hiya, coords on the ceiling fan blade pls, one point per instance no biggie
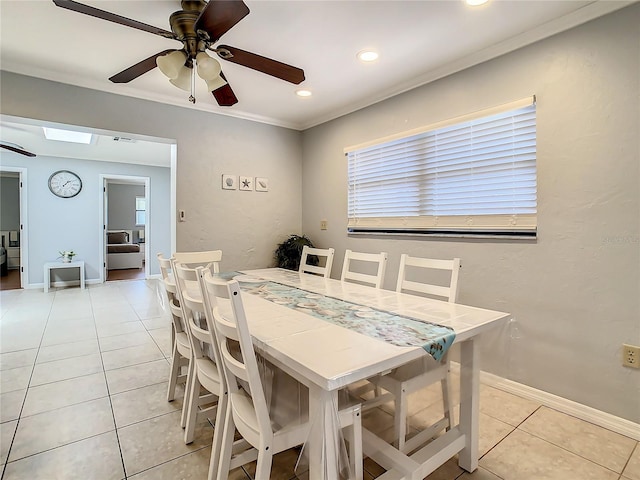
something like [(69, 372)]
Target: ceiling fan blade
[(17, 150), (260, 63), (224, 95), (218, 16), (139, 68), (112, 17)]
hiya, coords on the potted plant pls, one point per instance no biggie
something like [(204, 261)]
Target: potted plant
[(288, 253), (67, 255)]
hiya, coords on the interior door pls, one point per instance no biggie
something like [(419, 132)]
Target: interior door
[(105, 216)]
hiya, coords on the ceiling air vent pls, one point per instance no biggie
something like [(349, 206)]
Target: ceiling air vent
[(124, 140)]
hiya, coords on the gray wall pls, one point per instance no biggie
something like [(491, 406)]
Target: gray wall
[(56, 224), (247, 226), (9, 204), (122, 207), (575, 291)]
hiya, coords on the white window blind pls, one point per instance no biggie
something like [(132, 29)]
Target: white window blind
[(462, 175)]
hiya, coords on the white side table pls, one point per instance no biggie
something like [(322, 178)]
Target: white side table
[(56, 265)]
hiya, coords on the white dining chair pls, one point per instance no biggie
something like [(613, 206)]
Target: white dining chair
[(375, 260), (326, 253), (414, 376), (180, 344), (206, 371), (248, 411), (207, 258), (182, 354)]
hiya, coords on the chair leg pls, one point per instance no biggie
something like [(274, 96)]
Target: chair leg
[(355, 445), (400, 420), (187, 390), (446, 401), (218, 435), (263, 466), (173, 374), (192, 408), (228, 433)]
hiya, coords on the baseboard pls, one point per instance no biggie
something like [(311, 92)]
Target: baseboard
[(60, 283), (589, 414)]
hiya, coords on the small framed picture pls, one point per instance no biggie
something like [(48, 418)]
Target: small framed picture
[(246, 183), (229, 182), (262, 184)]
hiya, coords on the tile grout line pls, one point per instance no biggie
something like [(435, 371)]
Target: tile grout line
[(113, 416), (26, 392), (564, 448)]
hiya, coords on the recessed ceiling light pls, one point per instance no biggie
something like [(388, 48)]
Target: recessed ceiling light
[(303, 93), (67, 135), (367, 56), (475, 3)]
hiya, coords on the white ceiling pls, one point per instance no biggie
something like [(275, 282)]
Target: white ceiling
[(134, 149), (418, 42)]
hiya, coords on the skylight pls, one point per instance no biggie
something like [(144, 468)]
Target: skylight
[(66, 135)]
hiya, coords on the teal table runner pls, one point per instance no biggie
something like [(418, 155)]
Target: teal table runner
[(394, 329)]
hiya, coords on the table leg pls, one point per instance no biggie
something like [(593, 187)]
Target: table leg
[(323, 456), (469, 404), (47, 279), (82, 276)]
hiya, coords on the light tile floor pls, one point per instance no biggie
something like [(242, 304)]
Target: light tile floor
[(82, 396)]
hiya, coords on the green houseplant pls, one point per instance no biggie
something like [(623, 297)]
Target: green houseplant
[(67, 255), (288, 253)]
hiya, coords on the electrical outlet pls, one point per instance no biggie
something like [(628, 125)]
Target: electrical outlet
[(323, 224), (630, 356)]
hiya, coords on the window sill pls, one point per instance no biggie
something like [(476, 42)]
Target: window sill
[(527, 236)]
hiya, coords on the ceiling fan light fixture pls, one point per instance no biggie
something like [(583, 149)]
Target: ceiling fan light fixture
[(208, 68), (183, 80), (172, 63), (215, 83)]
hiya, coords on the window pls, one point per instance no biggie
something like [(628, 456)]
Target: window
[(141, 207), (473, 174)]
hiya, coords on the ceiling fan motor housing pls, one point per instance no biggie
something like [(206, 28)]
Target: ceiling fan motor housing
[(182, 24)]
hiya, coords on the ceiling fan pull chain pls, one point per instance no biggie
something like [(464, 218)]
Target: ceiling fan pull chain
[(192, 97)]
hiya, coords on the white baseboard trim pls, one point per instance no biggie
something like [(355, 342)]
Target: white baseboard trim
[(60, 283), (589, 414)]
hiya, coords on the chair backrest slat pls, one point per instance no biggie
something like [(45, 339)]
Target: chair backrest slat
[(327, 253), (166, 271), (377, 259), (449, 292), (209, 258), (193, 311)]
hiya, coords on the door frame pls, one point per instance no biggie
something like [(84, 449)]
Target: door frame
[(24, 224), (104, 179)]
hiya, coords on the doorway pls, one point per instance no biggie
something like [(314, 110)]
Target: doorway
[(125, 207), (12, 234)]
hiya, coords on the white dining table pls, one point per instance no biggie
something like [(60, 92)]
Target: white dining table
[(327, 357)]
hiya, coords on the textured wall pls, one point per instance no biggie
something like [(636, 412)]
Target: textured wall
[(574, 291), (247, 226)]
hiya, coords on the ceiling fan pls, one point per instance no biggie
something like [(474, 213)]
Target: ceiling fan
[(199, 26), (14, 147)]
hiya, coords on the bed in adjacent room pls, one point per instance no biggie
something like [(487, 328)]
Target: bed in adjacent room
[(121, 253)]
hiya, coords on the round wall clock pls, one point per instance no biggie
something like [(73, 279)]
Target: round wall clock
[(65, 184)]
